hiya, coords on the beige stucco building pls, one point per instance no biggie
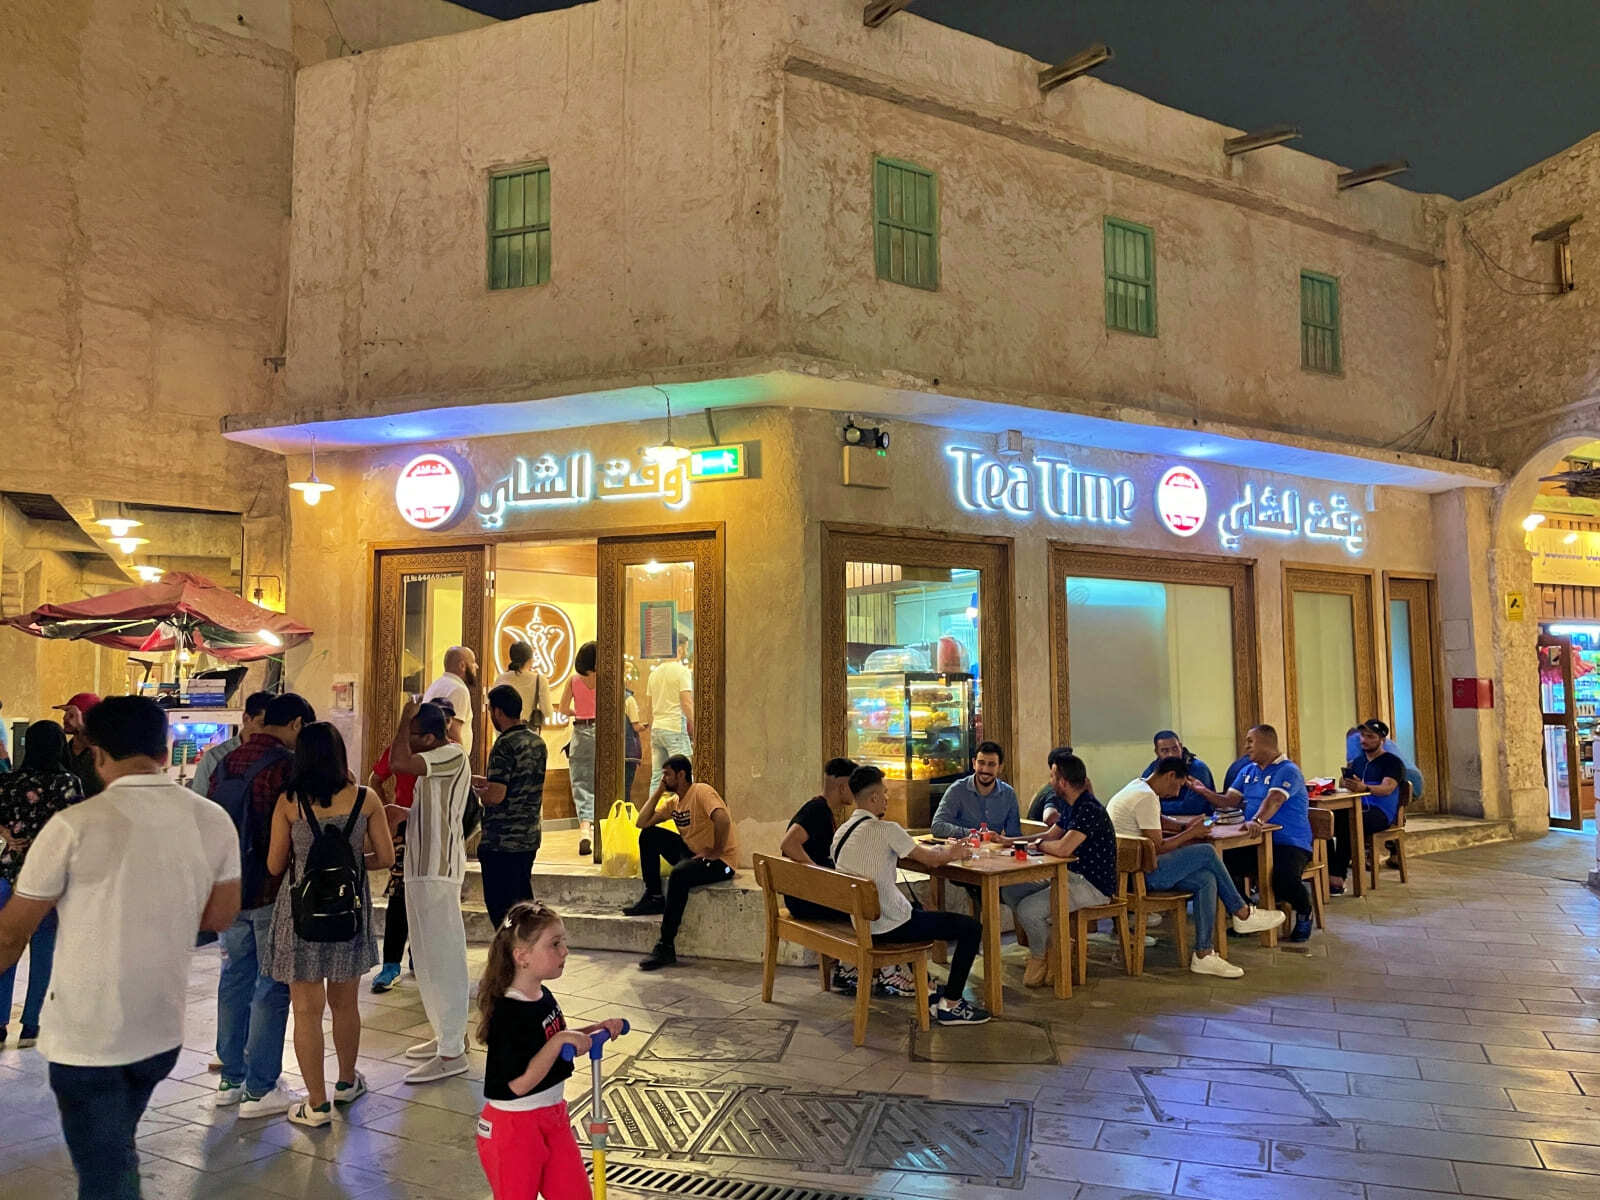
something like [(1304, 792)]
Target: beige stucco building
[(717, 183)]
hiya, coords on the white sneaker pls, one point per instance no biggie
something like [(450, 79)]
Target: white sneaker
[(438, 1068), (424, 1050), (312, 1118), (274, 1104), (1215, 964), (1259, 921), (228, 1094)]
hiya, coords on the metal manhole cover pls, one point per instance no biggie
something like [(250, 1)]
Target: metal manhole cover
[(986, 1143), (785, 1126), (996, 1042), (653, 1117), (1220, 1096), (697, 1039)]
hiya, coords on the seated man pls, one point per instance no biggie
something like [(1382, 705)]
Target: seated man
[(1232, 772), (1186, 861), (1380, 772), (871, 847), (1188, 802), (1272, 791), (704, 850), (981, 798), (809, 839), (1082, 829)]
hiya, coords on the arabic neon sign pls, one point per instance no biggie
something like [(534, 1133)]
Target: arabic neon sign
[(1063, 492), (546, 481), (1271, 512)]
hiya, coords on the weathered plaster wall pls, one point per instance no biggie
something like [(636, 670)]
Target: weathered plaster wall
[(1531, 359), (773, 588)]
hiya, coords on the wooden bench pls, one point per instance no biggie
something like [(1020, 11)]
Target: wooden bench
[(849, 939)]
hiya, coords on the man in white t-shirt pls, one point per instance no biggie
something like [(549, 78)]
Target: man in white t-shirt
[(435, 865), (134, 873), (455, 685), (1186, 862), (669, 698), (871, 847)]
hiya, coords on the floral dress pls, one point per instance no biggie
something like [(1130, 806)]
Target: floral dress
[(27, 800)]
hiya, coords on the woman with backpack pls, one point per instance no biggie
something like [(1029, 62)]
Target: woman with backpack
[(327, 832)]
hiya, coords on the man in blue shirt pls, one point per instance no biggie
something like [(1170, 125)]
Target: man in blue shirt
[(1380, 772), (1273, 792), (1188, 802), (981, 798)]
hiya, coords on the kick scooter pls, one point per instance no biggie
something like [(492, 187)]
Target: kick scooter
[(599, 1125)]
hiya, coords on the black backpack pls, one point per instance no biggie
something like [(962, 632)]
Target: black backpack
[(233, 793), (326, 901)]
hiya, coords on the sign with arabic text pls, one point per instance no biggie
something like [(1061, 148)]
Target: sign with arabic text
[(1281, 513), (717, 462), (548, 481), (1573, 563)]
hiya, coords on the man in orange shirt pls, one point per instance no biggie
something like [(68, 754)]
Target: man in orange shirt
[(704, 850)]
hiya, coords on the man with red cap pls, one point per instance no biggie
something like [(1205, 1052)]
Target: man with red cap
[(80, 755)]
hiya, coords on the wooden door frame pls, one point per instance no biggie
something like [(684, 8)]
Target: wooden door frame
[(994, 557), (1568, 720), (1365, 640), (1441, 789), (705, 547), (471, 560), (1067, 559)]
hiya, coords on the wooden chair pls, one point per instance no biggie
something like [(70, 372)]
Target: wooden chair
[(1142, 902), (849, 939), (1316, 872), (1127, 862), (1396, 833)]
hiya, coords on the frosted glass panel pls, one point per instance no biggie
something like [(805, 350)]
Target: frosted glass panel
[(1325, 674), (1145, 656), (1401, 680)]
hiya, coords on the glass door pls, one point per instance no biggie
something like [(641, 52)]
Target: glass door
[(1413, 687), (1328, 663), (426, 601), (1558, 709), (659, 613)]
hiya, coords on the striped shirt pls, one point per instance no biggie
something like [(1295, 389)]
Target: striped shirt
[(435, 847)]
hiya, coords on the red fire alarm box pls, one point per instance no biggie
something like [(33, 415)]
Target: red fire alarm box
[(1472, 693)]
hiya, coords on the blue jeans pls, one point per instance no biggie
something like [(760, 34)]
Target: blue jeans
[(252, 1009), (580, 769), (100, 1108), (1196, 868), (664, 743), (41, 955)]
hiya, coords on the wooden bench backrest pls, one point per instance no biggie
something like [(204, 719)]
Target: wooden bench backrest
[(1321, 823), (1405, 799), (850, 895)]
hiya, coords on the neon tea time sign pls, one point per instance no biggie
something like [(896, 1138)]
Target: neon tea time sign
[(985, 483)]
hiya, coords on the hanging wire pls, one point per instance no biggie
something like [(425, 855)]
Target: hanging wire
[(343, 41), (1545, 288)]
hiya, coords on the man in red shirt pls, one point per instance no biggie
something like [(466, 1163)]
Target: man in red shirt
[(397, 804)]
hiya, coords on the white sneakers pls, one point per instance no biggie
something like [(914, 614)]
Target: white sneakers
[(437, 1068), (1259, 921), (424, 1050), (275, 1103), (312, 1118), (1215, 964), (228, 1093)]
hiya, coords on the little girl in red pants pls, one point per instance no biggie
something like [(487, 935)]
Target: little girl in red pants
[(525, 1140)]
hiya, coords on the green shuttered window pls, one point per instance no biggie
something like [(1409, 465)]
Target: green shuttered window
[(519, 228), (1319, 323), (1130, 277), (905, 205)]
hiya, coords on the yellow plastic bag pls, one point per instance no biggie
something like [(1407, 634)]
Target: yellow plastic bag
[(619, 841)]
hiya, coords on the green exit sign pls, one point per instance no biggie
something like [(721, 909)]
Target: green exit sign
[(717, 462)]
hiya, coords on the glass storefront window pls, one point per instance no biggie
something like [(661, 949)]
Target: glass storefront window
[(1325, 678), (1144, 656), (912, 660), (1402, 680), (431, 619), (658, 666)]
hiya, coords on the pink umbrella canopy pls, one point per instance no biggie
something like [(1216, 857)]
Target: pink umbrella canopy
[(179, 611)]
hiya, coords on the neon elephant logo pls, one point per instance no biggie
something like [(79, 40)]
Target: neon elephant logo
[(543, 628)]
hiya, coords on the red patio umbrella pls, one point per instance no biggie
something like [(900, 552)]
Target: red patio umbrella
[(178, 612)]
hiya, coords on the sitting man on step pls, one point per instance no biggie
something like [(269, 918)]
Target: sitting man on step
[(704, 850)]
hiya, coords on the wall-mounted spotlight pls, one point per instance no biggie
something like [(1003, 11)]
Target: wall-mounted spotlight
[(858, 435)]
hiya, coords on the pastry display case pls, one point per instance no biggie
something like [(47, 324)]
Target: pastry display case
[(917, 727)]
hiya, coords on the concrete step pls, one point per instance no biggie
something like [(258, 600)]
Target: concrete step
[(1440, 834)]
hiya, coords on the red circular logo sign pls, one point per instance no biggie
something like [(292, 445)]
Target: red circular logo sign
[(428, 492), (1181, 501)]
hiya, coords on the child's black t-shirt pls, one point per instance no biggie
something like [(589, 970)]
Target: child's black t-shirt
[(519, 1029)]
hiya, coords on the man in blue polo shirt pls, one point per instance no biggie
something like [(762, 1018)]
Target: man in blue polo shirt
[(1188, 802), (1273, 792), (1378, 770)]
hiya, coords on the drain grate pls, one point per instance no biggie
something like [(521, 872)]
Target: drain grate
[(776, 1124), (667, 1182), (656, 1118)]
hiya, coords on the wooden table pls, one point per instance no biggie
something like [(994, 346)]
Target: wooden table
[(1353, 803), (989, 873), (1233, 837)]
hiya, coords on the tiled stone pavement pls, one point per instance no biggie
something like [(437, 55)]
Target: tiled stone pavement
[(1441, 1037)]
